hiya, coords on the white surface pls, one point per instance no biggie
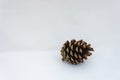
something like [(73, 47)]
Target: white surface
[(33, 31)]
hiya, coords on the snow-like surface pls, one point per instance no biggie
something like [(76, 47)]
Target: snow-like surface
[(47, 65)]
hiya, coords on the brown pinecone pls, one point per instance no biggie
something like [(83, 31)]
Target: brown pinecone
[(75, 51)]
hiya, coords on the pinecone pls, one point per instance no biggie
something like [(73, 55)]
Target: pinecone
[(75, 51)]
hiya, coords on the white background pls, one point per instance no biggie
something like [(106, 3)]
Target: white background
[(33, 31)]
